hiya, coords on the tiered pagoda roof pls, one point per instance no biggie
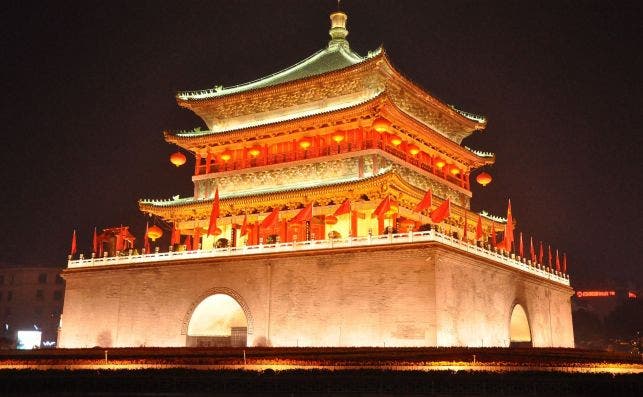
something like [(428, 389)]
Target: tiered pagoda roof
[(333, 90)]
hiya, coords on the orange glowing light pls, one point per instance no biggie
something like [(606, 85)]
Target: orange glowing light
[(454, 170), (484, 179), (178, 159), (338, 137), (154, 232), (393, 210), (305, 143), (227, 155), (395, 140), (381, 125), (254, 151), (331, 220), (595, 294), (414, 150), (440, 163)]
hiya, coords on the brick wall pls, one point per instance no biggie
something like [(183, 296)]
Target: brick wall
[(421, 294)]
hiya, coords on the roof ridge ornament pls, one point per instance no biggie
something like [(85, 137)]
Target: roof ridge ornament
[(338, 31)]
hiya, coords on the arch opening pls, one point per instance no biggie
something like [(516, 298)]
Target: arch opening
[(218, 320), (519, 332)]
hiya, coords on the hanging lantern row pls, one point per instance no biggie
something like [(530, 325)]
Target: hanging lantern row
[(381, 125)]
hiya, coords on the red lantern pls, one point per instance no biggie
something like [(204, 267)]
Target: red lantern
[(454, 170), (484, 179), (440, 163), (305, 143), (381, 125), (178, 159), (226, 155), (396, 140), (331, 220), (338, 137), (254, 151), (154, 232), (414, 150)]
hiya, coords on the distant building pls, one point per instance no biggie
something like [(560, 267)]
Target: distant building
[(31, 301), (601, 301)]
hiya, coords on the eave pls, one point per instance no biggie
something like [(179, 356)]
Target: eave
[(361, 115)]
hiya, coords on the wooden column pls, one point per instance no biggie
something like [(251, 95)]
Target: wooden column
[(354, 217), (208, 162), (197, 163)]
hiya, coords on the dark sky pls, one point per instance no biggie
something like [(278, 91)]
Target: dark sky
[(89, 87)]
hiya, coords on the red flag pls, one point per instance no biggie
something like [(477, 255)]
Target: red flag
[(345, 208), (532, 251), (271, 219), (120, 239), (509, 229), (479, 231), (549, 256), (214, 214), (442, 212), (244, 227), (95, 242), (382, 208), (176, 235), (521, 249), (188, 243), (565, 263), (541, 255), (425, 203), (464, 227), (557, 262), (146, 244), (306, 214), (494, 242), (197, 237), (73, 243)]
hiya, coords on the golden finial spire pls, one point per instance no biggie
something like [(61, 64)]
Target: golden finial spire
[(338, 31)]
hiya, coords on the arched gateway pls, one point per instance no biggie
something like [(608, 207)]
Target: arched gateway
[(218, 318), (519, 331)]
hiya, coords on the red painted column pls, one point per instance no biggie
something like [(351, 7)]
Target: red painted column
[(197, 163), (208, 162), (354, 216)]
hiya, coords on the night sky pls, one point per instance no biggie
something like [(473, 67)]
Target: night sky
[(89, 88)]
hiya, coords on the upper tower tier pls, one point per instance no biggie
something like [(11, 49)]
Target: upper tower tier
[(332, 79)]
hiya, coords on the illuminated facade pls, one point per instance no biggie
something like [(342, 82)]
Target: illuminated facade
[(337, 130)]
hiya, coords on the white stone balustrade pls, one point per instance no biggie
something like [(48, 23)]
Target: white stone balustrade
[(329, 244)]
